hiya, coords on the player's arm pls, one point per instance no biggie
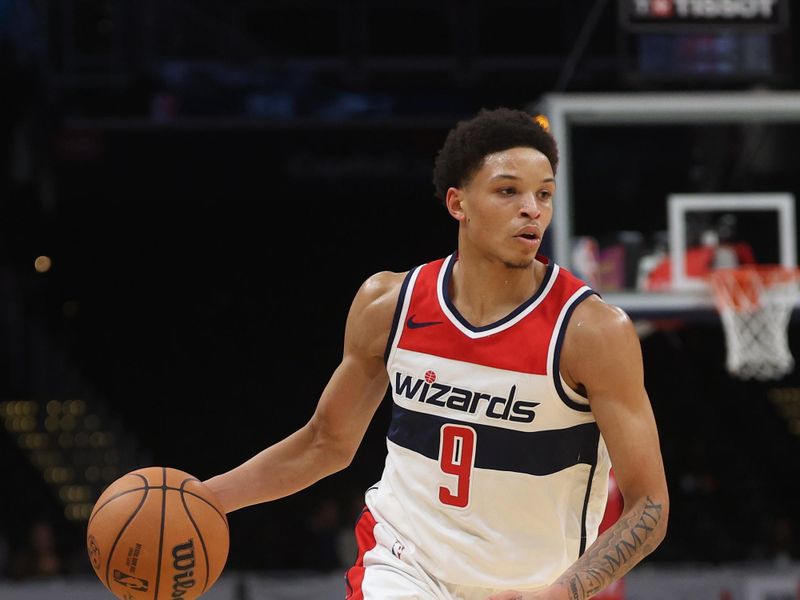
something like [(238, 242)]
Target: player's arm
[(328, 442), (602, 354)]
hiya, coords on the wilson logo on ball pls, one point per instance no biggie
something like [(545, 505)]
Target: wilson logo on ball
[(183, 563)]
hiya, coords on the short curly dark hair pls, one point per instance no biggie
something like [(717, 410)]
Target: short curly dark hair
[(470, 141)]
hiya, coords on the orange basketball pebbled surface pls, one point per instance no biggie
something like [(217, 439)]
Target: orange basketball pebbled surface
[(157, 533)]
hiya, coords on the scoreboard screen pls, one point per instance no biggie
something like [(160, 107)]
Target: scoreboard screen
[(706, 41), (650, 15)]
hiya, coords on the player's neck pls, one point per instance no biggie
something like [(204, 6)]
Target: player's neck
[(485, 291)]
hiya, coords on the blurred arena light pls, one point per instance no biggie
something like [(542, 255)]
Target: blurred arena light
[(42, 264), (71, 445)]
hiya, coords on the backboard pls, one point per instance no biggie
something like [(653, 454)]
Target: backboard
[(574, 118)]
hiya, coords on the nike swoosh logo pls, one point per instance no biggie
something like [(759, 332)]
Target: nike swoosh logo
[(412, 324)]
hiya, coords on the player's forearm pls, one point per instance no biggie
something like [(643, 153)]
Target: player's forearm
[(635, 535), (278, 471)]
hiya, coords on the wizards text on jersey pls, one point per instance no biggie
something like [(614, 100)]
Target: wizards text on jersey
[(427, 390)]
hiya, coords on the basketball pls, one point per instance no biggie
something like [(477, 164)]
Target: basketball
[(157, 533)]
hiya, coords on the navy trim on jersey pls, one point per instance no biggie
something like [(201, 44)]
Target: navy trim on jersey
[(446, 295), (557, 356), (397, 311), (498, 448), (586, 507)]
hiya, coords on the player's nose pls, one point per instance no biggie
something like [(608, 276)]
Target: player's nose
[(530, 206)]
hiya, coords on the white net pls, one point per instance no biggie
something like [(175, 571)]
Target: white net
[(755, 305)]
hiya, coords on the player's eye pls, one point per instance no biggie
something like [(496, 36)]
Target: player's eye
[(545, 194), (508, 191)]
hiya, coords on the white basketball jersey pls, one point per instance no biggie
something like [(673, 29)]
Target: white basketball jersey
[(496, 474)]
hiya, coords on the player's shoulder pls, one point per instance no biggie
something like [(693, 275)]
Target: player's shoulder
[(376, 299), (600, 337), (597, 322), (372, 312), (382, 288)]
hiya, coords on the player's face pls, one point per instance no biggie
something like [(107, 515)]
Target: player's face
[(507, 206)]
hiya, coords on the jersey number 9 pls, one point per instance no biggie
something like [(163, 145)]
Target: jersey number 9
[(456, 458)]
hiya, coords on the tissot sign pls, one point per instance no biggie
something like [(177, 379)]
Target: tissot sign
[(678, 14)]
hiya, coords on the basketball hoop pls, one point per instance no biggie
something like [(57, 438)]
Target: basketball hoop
[(755, 303)]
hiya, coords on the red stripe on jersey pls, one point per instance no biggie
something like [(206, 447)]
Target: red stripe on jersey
[(522, 347), (365, 537)]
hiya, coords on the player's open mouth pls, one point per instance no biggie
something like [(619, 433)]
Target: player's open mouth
[(530, 240)]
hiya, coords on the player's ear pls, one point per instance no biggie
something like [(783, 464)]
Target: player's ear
[(454, 201)]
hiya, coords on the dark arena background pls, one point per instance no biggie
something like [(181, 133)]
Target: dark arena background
[(192, 192)]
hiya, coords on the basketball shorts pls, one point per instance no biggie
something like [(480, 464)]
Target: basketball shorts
[(383, 572)]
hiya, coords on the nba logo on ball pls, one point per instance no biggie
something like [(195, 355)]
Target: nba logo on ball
[(157, 534)]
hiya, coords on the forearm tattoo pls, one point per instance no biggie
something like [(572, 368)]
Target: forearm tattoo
[(615, 553)]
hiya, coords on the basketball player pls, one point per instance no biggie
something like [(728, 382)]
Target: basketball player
[(514, 386)]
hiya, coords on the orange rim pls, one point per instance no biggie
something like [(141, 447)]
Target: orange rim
[(740, 288)]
